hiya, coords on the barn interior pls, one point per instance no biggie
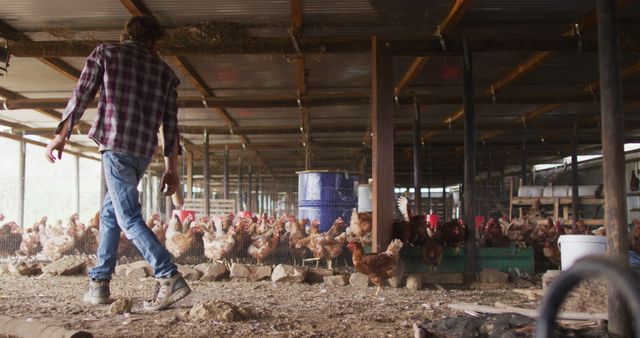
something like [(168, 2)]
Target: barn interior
[(516, 121)]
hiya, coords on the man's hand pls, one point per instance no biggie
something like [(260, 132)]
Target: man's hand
[(170, 181), (57, 143)]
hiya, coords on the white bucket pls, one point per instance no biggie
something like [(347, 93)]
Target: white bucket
[(574, 247)]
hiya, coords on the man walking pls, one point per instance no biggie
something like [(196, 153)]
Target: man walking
[(138, 93)]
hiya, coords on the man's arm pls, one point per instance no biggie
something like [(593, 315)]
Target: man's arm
[(170, 182), (83, 93)]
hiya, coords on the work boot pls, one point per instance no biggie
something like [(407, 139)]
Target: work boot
[(98, 292), (169, 290)]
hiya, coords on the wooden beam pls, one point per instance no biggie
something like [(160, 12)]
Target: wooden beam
[(62, 67), (613, 158), (469, 196), (382, 142), (457, 10), (533, 61), (135, 7)]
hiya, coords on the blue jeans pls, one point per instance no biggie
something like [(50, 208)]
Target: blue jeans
[(121, 211)]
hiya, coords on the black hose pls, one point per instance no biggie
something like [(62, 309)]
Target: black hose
[(621, 276)]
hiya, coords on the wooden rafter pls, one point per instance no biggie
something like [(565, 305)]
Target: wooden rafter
[(457, 10), (541, 110), (531, 63)]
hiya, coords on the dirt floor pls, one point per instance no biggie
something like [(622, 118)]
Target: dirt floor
[(283, 310)]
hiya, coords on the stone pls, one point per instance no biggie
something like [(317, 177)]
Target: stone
[(443, 278), (414, 282), (338, 280), (219, 311), (211, 271), (189, 273), (139, 269), (4, 269), (67, 265), (288, 273), (25, 268), (260, 272), (121, 270), (397, 280), (359, 280), (317, 275), (493, 277), (250, 272), (239, 271), (120, 306)]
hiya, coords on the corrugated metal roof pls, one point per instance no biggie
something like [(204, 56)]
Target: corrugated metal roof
[(539, 11), (245, 71), (347, 71), (60, 14), (31, 77), (190, 11)]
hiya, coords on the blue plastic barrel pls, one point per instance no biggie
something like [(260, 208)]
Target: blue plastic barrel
[(326, 195)]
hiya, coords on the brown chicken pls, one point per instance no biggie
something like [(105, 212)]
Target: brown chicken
[(518, 231), (360, 226), (10, 238), (181, 244), (379, 267), (295, 234), (328, 245), (55, 245), (581, 228), (30, 244), (263, 246), (87, 239), (433, 251), (549, 239)]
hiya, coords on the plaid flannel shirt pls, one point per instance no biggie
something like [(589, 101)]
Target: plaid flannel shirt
[(138, 92)]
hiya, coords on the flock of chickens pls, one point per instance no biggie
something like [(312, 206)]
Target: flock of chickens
[(286, 239)]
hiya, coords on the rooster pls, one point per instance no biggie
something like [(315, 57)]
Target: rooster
[(453, 233), (493, 235), (379, 267), (181, 244), (412, 229), (360, 225)]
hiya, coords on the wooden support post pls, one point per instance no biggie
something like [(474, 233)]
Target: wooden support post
[(206, 192), (469, 162), (239, 198), (444, 197), (510, 199), (613, 162), (417, 168), (22, 170), (76, 184), (225, 173), (250, 189), (575, 200), (189, 158), (523, 163), (382, 142)]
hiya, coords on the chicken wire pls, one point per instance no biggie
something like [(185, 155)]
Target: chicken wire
[(262, 229)]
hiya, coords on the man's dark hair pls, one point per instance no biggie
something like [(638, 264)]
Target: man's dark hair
[(143, 28)]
